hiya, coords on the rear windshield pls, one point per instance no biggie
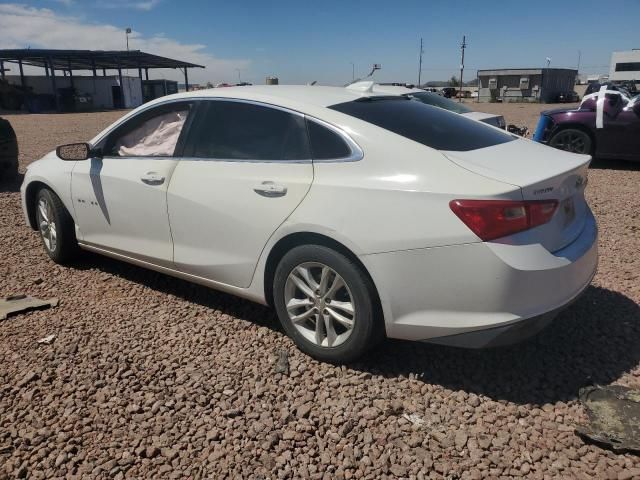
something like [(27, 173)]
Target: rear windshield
[(430, 126)]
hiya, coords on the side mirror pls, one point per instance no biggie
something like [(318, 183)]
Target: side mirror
[(74, 151)]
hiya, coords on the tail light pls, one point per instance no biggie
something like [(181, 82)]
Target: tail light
[(491, 219)]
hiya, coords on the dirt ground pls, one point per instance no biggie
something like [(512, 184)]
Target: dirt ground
[(152, 377)]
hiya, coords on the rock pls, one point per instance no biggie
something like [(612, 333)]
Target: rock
[(461, 439), (304, 410), (29, 377), (151, 452), (370, 413)]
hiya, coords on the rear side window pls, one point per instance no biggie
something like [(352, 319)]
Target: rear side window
[(229, 130), (326, 144), (430, 126)]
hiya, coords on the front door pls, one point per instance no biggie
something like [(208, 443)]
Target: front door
[(245, 168), (120, 199)]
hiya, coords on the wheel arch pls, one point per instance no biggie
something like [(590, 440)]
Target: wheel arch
[(29, 197), (292, 240)]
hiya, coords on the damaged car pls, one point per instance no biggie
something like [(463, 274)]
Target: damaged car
[(356, 215), (605, 125)]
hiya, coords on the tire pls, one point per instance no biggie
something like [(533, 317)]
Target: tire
[(572, 140), (333, 340), (60, 241)]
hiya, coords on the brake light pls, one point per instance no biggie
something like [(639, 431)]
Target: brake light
[(491, 219)]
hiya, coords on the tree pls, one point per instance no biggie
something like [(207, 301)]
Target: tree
[(453, 82)]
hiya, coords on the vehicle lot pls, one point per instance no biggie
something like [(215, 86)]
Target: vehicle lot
[(152, 376)]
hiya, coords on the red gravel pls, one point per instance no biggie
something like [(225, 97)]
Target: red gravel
[(150, 376)]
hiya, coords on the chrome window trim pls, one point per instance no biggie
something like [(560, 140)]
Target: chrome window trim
[(356, 152)]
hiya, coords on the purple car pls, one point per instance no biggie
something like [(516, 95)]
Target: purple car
[(612, 133)]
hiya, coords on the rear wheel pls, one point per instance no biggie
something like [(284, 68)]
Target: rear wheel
[(572, 140), (56, 227), (326, 304)]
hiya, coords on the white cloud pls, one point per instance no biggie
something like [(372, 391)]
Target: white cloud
[(22, 26), (144, 5)]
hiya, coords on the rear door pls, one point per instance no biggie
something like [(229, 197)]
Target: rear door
[(620, 137), (245, 168), (120, 200)]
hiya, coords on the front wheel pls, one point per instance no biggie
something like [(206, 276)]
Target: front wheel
[(326, 304), (572, 140), (56, 227)]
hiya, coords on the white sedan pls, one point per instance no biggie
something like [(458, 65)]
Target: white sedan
[(355, 215)]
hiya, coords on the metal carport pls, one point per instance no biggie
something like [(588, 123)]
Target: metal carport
[(89, 60)]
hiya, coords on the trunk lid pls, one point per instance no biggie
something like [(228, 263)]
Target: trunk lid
[(542, 173)]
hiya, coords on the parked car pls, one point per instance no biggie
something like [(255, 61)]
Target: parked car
[(436, 100), (568, 97), (8, 150), (576, 130), (449, 92), (356, 215), (595, 87)]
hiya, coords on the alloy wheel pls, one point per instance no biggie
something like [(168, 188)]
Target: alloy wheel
[(319, 304), (570, 141), (47, 224)]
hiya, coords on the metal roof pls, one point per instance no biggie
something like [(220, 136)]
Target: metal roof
[(90, 59)]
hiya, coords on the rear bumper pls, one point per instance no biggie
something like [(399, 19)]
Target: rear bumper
[(492, 293), (499, 336)]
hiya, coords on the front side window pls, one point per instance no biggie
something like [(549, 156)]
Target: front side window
[(430, 126), (232, 130), (153, 133)]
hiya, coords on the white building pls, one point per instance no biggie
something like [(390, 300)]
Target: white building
[(106, 92), (625, 65)]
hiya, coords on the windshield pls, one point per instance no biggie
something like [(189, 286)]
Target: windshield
[(425, 124), (439, 101)]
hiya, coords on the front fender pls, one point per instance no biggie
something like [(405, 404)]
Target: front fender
[(50, 172)]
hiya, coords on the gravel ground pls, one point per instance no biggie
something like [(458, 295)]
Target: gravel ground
[(150, 376)]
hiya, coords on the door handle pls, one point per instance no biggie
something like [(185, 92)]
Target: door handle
[(270, 189), (152, 178)]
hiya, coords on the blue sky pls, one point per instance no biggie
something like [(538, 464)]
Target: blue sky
[(300, 41)]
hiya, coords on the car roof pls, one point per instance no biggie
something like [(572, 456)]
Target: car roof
[(292, 96)]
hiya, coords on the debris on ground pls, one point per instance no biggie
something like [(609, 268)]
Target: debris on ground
[(614, 417), (521, 131), (414, 419), (23, 303), (282, 364), (48, 340)]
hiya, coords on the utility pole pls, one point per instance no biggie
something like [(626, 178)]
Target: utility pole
[(462, 47), (353, 71), (579, 58), (420, 64)]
